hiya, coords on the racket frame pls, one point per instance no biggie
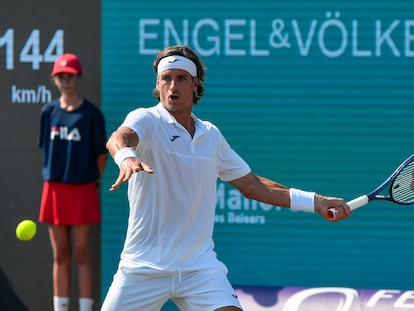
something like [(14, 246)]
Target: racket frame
[(375, 194)]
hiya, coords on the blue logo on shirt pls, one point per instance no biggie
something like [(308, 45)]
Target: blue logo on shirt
[(174, 137)]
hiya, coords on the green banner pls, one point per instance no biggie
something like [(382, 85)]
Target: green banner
[(316, 95)]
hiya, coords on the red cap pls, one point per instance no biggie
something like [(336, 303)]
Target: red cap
[(67, 63)]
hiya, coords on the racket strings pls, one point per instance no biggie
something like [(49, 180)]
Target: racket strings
[(402, 188)]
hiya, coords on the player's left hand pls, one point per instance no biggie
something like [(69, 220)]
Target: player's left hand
[(129, 167)]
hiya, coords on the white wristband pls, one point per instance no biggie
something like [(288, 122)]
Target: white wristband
[(123, 154), (302, 200)]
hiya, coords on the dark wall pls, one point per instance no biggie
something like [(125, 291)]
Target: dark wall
[(31, 34)]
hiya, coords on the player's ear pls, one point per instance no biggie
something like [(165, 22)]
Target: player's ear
[(195, 84)]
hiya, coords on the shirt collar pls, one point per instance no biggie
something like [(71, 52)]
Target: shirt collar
[(168, 118)]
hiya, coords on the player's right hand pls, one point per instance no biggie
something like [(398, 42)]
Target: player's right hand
[(323, 204)]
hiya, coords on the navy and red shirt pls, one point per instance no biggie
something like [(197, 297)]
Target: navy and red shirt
[(71, 142)]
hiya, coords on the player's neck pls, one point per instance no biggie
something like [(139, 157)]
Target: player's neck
[(189, 125), (185, 118)]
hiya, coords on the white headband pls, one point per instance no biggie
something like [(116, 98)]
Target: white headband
[(177, 62)]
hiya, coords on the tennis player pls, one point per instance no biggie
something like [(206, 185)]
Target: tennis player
[(171, 160)]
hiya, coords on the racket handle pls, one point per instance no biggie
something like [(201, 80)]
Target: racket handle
[(358, 202), (353, 204)]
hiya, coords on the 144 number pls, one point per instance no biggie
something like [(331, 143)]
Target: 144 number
[(30, 52)]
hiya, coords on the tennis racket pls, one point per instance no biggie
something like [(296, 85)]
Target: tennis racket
[(397, 188)]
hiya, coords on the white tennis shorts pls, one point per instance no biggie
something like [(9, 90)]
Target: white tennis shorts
[(203, 290)]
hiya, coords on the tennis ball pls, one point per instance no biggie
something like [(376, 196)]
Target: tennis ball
[(26, 230)]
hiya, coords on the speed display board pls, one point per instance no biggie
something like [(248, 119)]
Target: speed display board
[(32, 35), (316, 95)]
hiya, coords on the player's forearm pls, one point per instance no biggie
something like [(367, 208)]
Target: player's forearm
[(116, 142), (270, 192), (263, 190), (121, 138)]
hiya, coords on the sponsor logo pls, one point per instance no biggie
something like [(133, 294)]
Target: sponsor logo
[(324, 299), (63, 133), (173, 60), (174, 137)]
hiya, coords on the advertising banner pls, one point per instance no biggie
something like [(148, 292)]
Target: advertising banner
[(316, 95), (324, 299)]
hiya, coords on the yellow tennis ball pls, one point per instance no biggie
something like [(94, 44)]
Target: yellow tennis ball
[(26, 230)]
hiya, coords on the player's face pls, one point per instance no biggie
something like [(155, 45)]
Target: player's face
[(67, 83), (176, 89)]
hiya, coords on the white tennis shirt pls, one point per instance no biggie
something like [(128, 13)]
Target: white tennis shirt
[(171, 218)]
